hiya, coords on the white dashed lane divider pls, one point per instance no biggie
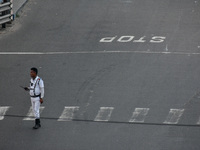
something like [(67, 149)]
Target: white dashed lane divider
[(104, 114), (198, 121), (68, 113), (30, 115), (3, 111), (139, 115), (174, 116)]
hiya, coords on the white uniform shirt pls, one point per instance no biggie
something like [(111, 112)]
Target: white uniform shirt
[(36, 87)]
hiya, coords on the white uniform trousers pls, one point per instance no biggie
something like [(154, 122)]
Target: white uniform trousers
[(35, 101)]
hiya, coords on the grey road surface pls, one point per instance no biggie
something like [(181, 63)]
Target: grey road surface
[(119, 74)]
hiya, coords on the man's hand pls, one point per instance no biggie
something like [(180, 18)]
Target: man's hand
[(26, 88), (41, 100)]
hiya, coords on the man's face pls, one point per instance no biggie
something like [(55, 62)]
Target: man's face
[(33, 74)]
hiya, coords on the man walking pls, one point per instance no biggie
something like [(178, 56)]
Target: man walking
[(36, 90)]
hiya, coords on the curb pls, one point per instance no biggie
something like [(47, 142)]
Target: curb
[(19, 9)]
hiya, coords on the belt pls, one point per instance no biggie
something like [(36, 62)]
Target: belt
[(36, 96)]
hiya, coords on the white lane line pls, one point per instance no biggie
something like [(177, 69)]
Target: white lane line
[(128, 1), (30, 115), (174, 116), (96, 52), (139, 115), (68, 113), (3, 111), (104, 114)]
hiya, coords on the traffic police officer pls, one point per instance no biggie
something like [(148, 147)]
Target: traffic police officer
[(36, 90)]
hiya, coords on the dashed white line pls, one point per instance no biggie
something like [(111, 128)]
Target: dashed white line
[(198, 121), (174, 116), (3, 111), (139, 115), (166, 48), (68, 113), (104, 114), (30, 115)]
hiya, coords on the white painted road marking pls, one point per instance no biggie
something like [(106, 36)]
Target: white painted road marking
[(131, 38), (104, 114), (3, 111), (30, 115), (141, 40), (68, 113), (198, 121), (125, 38), (139, 115), (157, 39), (174, 116), (107, 39), (97, 52)]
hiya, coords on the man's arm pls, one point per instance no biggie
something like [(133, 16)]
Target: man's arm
[(42, 94), (41, 85)]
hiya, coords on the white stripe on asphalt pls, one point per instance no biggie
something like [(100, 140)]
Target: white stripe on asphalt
[(174, 116), (104, 114), (30, 115), (198, 121), (3, 111), (68, 113), (139, 115), (97, 52)]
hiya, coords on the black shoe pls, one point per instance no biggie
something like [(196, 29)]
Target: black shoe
[(37, 124)]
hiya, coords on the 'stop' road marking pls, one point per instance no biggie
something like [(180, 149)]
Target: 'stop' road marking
[(96, 52)]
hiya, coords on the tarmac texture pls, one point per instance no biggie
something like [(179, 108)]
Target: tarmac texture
[(118, 74)]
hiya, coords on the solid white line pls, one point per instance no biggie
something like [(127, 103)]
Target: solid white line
[(139, 115), (30, 115), (68, 113), (174, 116), (104, 114), (3, 111), (97, 52)]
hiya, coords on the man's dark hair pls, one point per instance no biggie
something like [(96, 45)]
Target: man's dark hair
[(35, 70)]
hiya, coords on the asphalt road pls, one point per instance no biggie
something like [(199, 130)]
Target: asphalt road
[(119, 74)]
